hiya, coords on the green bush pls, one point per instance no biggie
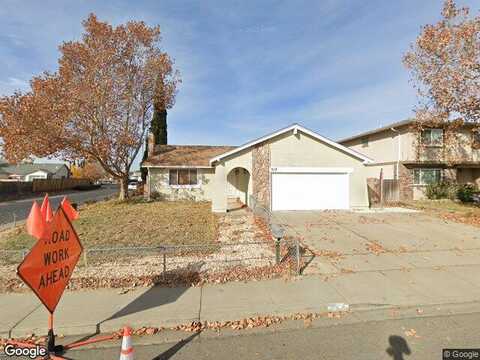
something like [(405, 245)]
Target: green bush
[(465, 192), (442, 190)]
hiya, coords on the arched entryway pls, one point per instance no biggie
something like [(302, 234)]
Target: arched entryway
[(238, 183)]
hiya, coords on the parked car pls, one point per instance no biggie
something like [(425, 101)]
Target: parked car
[(132, 184)]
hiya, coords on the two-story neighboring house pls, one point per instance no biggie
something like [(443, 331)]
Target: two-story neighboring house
[(417, 158)]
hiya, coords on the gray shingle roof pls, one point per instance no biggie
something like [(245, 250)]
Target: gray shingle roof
[(25, 169)]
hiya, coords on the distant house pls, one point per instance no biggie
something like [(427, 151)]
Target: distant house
[(418, 159), (29, 172)]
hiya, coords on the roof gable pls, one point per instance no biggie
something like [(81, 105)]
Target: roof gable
[(294, 128)]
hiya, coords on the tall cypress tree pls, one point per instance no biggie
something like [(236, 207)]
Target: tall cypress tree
[(158, 128)]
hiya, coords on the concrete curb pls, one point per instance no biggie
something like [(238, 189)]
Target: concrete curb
[(357, 313)]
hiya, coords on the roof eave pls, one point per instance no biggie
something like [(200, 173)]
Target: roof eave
[(295, 127), (176, 166), (375, 131)]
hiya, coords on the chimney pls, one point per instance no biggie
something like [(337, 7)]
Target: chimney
[(150, 144)]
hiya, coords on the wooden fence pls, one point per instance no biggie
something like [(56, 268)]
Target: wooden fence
[(390, 190), (385, 191), (15, 187), (45, 185), (11, 189)]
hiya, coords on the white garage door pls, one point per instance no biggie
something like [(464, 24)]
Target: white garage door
[(310, 191)]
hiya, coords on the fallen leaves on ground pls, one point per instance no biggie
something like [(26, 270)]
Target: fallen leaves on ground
[(362, 219), (198, 326), (375, 248), (411, 333), (449, 210), (331, 255), (171, 279)]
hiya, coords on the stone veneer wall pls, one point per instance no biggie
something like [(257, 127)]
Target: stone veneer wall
[(373, 186), (406, 182), (261, 174)]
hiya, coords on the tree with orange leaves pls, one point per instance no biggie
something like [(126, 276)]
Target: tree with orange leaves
[(445, 68), (89, 170), (99, 103)]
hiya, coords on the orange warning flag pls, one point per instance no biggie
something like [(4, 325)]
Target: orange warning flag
[(35, 221), (71, 213), (46, 209)]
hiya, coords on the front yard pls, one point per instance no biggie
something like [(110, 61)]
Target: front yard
[(137, 243), (133, 224)]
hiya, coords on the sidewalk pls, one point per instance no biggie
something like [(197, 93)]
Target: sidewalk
[(105, 310)]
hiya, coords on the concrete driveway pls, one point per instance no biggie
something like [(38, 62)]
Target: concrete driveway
[(346, 242)]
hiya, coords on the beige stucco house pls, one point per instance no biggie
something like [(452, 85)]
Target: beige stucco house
[(291, 169), (418, 158)]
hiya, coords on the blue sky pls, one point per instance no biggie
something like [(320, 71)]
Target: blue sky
[(248, 67)]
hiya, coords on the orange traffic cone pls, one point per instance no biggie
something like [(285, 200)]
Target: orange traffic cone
[(126, 352), (35, 221), (46, 209), (71, 213)]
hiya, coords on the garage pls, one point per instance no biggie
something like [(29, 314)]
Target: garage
[(292, 169), (310, 188)]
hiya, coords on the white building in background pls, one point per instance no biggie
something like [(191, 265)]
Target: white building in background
[(29, 172)]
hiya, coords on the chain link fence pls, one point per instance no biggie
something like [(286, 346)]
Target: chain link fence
[(221, 255), (218, 256)]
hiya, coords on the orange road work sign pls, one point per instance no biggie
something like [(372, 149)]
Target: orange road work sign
[(47, 268)]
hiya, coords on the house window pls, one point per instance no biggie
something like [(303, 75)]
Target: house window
[(427, 176), (182, 177), (365, 142), (432, 137)]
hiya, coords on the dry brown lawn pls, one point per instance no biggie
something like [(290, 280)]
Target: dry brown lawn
[(449, 210), (133, 223)]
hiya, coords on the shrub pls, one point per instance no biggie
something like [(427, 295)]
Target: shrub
[(465, 192), (442, 190)]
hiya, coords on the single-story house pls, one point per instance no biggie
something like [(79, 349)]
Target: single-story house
[(31, 171), (290, 169)]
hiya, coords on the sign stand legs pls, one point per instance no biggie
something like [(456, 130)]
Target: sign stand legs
[(51, 347), (54, 351)]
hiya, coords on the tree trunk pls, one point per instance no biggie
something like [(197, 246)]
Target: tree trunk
[(123, 188)]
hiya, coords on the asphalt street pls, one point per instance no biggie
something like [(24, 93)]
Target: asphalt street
[(399, 339), (19, 209)]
